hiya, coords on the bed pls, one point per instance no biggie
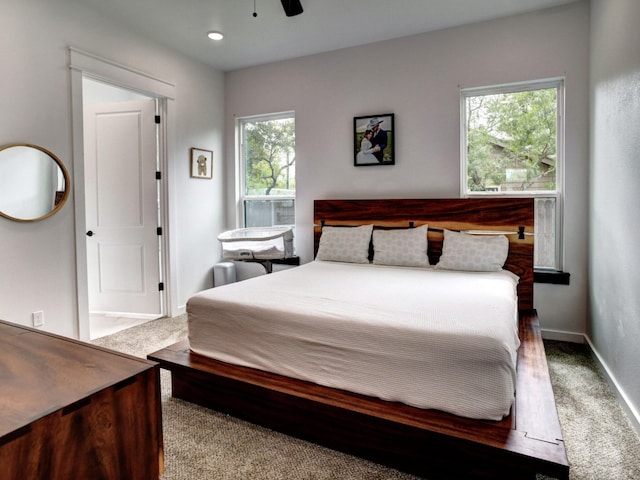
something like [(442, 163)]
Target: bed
[(331, 390)]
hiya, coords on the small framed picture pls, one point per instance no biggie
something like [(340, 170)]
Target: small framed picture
[(201, 163), (373, 140)]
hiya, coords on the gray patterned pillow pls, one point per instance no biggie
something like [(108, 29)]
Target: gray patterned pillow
[(461, 251), (404, 248), (345, 244)]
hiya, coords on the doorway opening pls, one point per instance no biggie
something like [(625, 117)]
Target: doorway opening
[(123, 211)]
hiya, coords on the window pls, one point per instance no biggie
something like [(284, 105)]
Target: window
[(267, 170), (511, 139)]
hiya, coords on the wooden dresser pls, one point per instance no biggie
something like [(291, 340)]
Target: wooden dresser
[(71, 410)]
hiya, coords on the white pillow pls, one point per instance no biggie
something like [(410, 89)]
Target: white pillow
[(345, 244), (404, 248), (476, 253)]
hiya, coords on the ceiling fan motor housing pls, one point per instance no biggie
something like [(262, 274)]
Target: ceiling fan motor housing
[(292, 7)]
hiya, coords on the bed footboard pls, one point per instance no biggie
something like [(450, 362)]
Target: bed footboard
[(423, 442)]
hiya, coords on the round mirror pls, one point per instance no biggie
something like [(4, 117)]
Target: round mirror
[(33, 183)]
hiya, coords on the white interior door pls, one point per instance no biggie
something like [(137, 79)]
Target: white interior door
[(122, 208)]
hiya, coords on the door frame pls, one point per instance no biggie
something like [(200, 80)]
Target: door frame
[(84, 64)]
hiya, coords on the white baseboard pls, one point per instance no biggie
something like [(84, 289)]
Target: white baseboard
[(136, 316), (562, 336), (632, 412)]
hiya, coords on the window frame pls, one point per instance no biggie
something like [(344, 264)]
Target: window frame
[(559, 84), (242, 197)]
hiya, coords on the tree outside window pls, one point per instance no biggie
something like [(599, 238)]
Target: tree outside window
[(511, 140)]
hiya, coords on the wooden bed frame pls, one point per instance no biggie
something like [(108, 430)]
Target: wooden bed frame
[(423, 442)]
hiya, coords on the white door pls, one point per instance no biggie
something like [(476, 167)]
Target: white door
[(122, 208)]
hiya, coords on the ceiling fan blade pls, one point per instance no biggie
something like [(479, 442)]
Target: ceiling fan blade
[(292, 7)]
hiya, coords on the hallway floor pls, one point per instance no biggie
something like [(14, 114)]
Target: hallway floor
[(102, 325)]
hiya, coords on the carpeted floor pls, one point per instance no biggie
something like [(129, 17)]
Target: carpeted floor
[(201, 444)]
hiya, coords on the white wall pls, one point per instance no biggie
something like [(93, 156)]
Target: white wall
[(37, 260), (614, 258), (418, 78)]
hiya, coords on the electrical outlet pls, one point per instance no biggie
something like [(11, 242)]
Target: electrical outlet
[(38, 318)]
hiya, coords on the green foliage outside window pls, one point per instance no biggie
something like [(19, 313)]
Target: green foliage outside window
[(511, 141), (270, 157)]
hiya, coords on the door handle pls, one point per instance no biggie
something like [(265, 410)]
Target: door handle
[(89, 233)]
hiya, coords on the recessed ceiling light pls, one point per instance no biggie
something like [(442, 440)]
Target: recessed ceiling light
[(215, 35)]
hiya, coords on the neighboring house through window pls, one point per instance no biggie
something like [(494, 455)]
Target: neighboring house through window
[(512, 145), (267, 158)]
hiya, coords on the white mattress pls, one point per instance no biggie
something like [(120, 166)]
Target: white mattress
[(429, 338)]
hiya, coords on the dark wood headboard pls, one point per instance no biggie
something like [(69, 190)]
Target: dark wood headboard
[(508, 216)]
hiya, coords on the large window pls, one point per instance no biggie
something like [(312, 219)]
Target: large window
[(267, 170), (512, 145)]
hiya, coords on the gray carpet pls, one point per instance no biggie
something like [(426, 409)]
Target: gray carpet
[(202, 444)]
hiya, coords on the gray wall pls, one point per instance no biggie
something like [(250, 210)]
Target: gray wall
[(418, 78), (37, 260), (614, 257)]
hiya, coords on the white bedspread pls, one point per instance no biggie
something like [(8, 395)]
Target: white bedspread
[(429, 338)]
